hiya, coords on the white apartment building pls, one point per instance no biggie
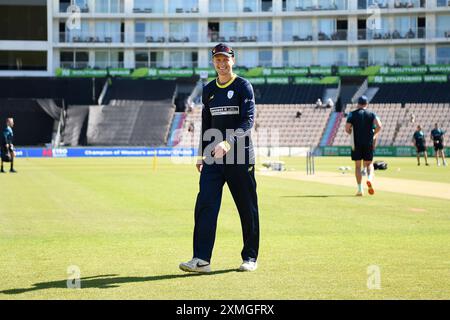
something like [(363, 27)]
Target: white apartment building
[(275, 33)]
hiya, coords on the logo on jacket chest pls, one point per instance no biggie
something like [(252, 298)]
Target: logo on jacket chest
[(224, 110), (230, 94)]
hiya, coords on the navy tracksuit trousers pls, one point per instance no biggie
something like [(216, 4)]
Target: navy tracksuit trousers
[(240, 179)]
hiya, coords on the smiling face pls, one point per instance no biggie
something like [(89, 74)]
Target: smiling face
[(223, 64)]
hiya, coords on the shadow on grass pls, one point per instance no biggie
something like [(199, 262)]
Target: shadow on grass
[(108, 281), (321, 196)]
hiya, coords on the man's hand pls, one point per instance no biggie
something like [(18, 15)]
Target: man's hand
[(199, 165), (221, 149)]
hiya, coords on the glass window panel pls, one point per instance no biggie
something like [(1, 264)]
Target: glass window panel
[(215, 6), (230, 5)]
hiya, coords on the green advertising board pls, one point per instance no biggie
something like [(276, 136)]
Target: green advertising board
[(299, 75), (381, 151)]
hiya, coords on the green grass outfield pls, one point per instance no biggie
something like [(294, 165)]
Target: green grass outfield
[(128, 227)]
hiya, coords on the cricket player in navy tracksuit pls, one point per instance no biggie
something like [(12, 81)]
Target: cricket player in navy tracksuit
[(226, 156), (437, 136), (420, 143), (364, 125), (7, 146)]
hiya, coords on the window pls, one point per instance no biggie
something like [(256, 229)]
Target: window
[(156, 59), (332, 56), (141, 59), (106, 31), (67, 59), (183, 59), (251, 5), (443, 26), (409, 55), (149, 6), (183, 31), (298, 29), (215, 6), (265, 58), (228, 29), (183, 6), (247, 57), (23, 60), (297, 57), (379, 56), (443, 55), (139, 31), (108, 59), (74, 59)]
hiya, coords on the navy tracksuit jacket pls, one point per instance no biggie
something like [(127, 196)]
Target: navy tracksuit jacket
[(228, 114)]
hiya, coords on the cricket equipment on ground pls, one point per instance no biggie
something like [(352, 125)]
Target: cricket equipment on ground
[(196, 265)]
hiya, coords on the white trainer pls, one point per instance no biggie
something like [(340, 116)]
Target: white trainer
[(248, 266), (196, 265)]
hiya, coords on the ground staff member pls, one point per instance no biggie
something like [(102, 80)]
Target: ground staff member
[(226, 156), (361, 123), (7, 147), (437, 136), (420, 144)]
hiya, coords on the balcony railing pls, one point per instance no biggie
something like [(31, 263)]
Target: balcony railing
[(64, 6), (89, 37), (184, 10), (74, 65), (296, 37), (145, 37), (108, 64), (409, 4), (367, 34), (257, 37), (340, 5), (338, 35), (443, 32)]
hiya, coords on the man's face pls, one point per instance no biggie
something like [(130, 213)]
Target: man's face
[(10, 123), (223, 64), (419, 128)]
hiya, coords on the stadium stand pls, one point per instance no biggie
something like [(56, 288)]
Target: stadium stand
[(400, 122), (293, 125), (75, 125), (134, 123), (426, 114), (139, 89), (289, 94), (82, 91), (412, 93), (33, 126), (391, 115)]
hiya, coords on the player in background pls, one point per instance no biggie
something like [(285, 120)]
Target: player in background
[(437, 136), (419, 142), (7, 144), (360, 124)]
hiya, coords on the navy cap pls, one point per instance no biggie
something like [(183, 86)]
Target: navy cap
[(363, 100), (222, 48)]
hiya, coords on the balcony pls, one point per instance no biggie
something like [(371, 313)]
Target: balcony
[(258, 37), (338, 35), (367, 34), (331, 6), (158, 37), (74, 65), (88, 37)]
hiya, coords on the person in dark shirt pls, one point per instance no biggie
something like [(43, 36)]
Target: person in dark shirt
[(364, 126), (420, 144), (437, 136), (226, 155), (7, 147)]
